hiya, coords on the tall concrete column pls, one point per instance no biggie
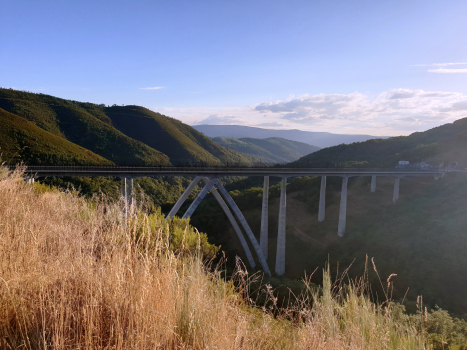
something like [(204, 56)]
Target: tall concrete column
[(395, 195), (128, 196), (280, 254), (198, 199), (131, 202), (183, 197), (322, 199), (373, 183), (239, 233), (245, 225), (123, 188), (123, 191), (343, 208), (263, 241)]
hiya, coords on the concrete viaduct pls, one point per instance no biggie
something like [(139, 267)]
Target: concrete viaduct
[(210, 176)]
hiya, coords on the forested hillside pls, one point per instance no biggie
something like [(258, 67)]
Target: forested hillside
[(83, 124), (125, 135), (443, 144), (22, 141), (180, 142), (269, 150)]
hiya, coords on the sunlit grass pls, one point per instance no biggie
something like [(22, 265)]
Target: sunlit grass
[(75, 275)]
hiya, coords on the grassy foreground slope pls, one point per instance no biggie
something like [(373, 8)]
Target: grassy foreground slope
[(180, 142), (77, 275), (84, 124), (22, 141), (269, 150)]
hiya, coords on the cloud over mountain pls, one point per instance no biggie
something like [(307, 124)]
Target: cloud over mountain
[(400, 108), (393, 112)]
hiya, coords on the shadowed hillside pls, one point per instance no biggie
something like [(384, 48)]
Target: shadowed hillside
[(180, 142), (22, 141), (81, 123), (125, 135)]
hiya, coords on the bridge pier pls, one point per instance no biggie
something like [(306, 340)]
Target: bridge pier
[(395, 195), (210, 187), (128, 195), (237, 230), (280, 254), (184, 196), (198, 199), (263, 241), (343, 208), (373, 183), (245, 225), (322, 199)]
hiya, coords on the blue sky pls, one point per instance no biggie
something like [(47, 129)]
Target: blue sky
[(377, 67)]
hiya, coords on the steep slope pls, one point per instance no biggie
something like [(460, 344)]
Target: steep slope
[(180, 142), (320, 139), (443, 144), (82, 123), (22, 141), (270, 150)]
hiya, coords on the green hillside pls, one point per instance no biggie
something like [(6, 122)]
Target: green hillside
[(269, 150), (126, 135), (299, 147), (180, 142), (261, 154), (22, 141), (443, 144), (84, 124)]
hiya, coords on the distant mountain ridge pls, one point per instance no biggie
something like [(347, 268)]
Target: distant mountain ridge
[(270, 150), (319, 139)]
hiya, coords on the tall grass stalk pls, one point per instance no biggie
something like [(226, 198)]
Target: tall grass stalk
[(75, 275)]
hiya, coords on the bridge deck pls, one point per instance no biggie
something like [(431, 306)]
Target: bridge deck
[(222, 171)]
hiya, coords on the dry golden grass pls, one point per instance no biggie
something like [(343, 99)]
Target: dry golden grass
[(76, 275)]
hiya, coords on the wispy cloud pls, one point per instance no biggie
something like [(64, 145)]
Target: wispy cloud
[(153, 88), (439, 64), (448, 70)]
